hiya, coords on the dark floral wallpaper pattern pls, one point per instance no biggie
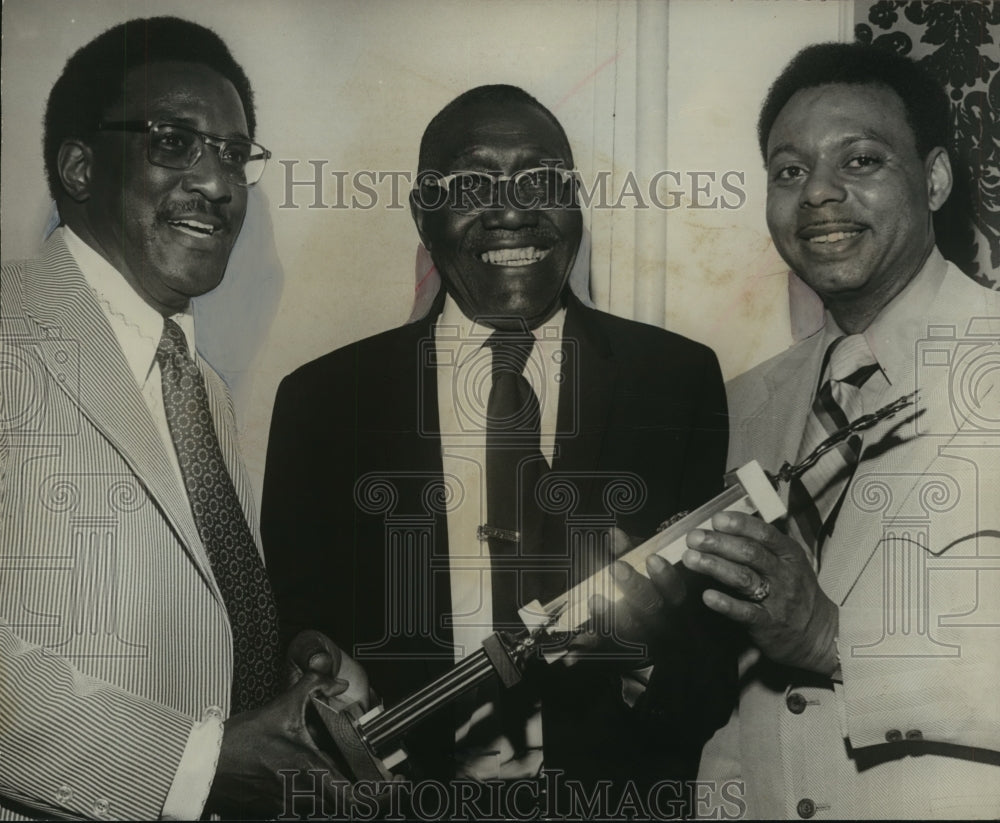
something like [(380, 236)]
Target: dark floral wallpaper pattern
[(958, 42)]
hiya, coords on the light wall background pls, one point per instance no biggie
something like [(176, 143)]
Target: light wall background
[(641, 87)]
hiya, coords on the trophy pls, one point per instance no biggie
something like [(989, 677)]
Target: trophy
[(369, 744)]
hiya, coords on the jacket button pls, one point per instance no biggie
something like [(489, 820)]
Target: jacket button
[(211, 712), (64, 794), (796, 703), (806, 808), (914, 734), (893, 736), (101, 807)]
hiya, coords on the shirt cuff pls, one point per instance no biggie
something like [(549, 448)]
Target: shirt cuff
[(196, 770)]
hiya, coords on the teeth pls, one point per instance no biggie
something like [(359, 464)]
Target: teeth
[(834, 237), (513, 257), (193, 227)]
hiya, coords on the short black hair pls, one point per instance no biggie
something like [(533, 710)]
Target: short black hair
[(495, 95), (925, 102), (93, 78)]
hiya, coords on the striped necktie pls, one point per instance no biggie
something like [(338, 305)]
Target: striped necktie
[(815, 497), (222, 525)]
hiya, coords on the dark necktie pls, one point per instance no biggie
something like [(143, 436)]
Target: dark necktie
[(221, 523), (514, 464), (814, 499)]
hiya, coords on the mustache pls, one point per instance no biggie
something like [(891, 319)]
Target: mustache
[(541, 235)]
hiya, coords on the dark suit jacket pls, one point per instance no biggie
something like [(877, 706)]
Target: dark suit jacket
[(357, 545)]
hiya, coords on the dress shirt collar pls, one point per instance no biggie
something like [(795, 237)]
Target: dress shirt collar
[(136, 325), (888, 335)]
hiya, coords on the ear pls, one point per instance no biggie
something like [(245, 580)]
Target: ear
[(939, 178), (74, 163)]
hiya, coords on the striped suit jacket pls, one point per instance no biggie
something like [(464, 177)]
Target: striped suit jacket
[(113, 635), (914, 567)]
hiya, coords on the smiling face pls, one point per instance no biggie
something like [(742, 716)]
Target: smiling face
[(504, 264), (849, 199), (169, 232)]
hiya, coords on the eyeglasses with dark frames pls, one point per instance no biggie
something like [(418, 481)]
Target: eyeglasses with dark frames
[(173, 146)]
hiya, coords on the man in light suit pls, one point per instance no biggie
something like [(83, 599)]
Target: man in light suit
[(139, 669), (869, 689), (378, 522)]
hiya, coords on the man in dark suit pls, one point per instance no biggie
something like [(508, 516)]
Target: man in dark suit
[(388, 520), (139, 667)]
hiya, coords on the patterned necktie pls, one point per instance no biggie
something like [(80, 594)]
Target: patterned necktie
[(221, 523), (815, 497), (514, 465)]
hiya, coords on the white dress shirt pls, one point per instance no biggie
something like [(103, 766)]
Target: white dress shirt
[(464, 377)]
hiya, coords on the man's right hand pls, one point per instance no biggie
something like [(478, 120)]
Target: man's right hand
[(311, 650), (257, 745)]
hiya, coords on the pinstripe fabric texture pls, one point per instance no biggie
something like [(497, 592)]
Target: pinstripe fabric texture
[(914, 730), (114, 637)]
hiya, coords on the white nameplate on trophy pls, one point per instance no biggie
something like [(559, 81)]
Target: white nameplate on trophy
[(751, 493)]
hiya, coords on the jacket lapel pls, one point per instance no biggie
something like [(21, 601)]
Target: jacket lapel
[(586, 393), (58, 299), (883, 497), (408, 446), (780, 403), (880, 493), (901, 454)]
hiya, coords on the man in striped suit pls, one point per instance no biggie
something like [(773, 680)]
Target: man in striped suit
[(139, 667)]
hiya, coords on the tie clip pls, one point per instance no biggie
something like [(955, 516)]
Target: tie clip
[(488, 532)]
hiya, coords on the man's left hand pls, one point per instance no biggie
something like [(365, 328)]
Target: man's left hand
[(632, 629), (784, 609)]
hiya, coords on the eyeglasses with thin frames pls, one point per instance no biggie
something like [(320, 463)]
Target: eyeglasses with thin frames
[(172, 146), (472, 192)]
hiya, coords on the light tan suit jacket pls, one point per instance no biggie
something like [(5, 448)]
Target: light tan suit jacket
[(914, 566)]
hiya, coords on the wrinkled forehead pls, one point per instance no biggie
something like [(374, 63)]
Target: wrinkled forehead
[(182, 92), (506, 137), (872, 108)]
